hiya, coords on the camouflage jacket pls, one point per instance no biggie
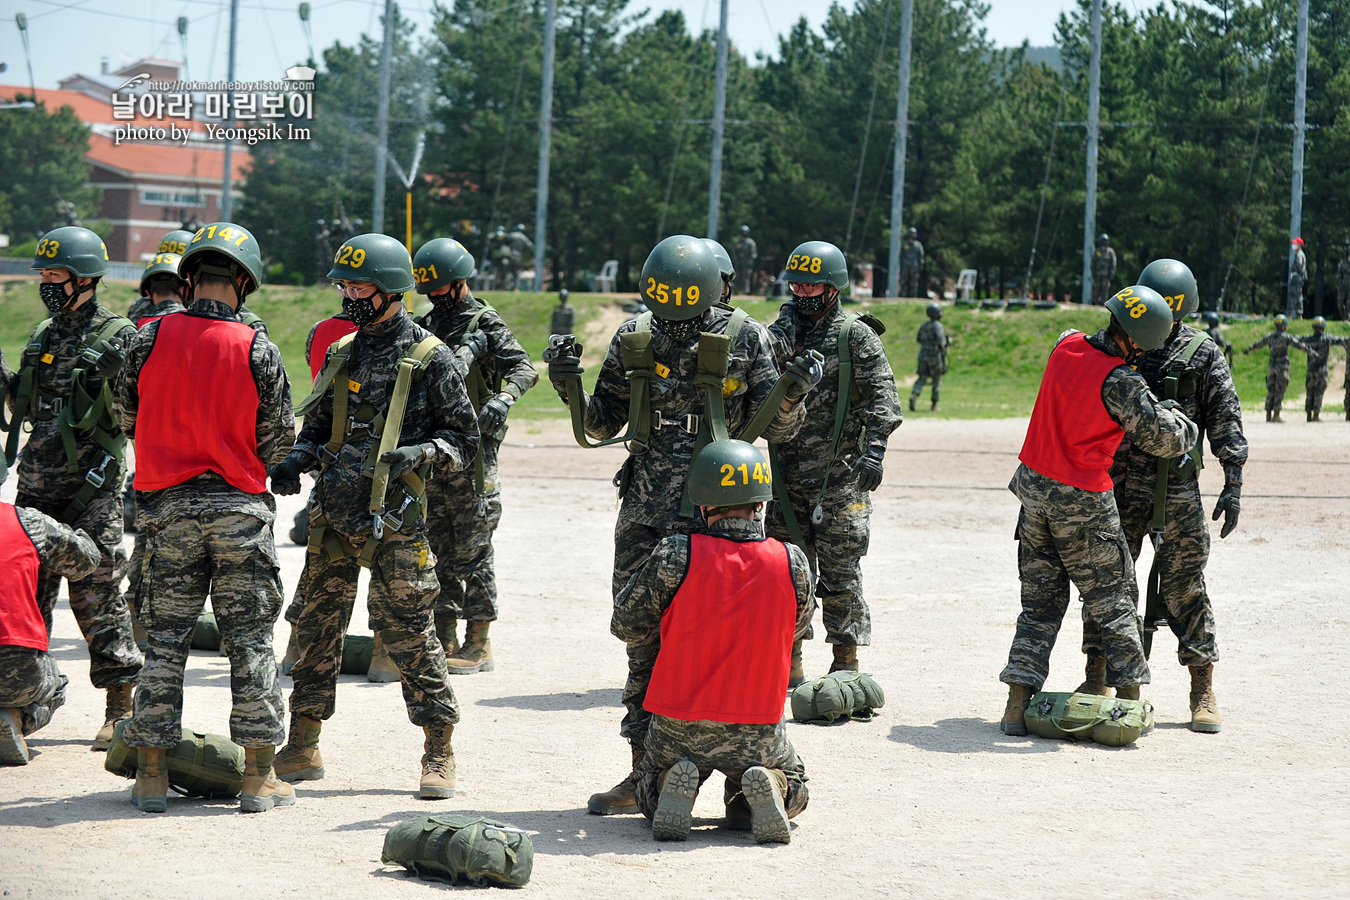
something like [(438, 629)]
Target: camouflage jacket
[(657, 485), (1318, 348), (143, 307), (68, 552), (1343, 275), (1279, 343), (42, 466), (933, 341), (438, 417), (873, 414), (1216, 335), (1128, 400), (1103, 262), (1208, 399), (506, 366), (1298, 269), (275, 427), (744, 252), (257, 324), (639, 605), (911, 254)]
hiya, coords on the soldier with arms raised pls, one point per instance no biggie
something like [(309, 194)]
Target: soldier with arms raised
[(1277, 369)]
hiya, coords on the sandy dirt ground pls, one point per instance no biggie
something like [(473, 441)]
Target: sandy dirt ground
[(928, 800)]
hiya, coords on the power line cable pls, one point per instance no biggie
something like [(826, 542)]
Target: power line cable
[(867, 131)]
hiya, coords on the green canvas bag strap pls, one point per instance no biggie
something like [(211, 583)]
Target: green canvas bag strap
[(415, 360), (780, 495), (640, 367), (337, 359), (250, 318), (23, 396), (84, 412), (479, 392), (841, 401)]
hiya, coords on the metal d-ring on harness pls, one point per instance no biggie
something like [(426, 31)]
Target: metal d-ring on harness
[(81, 412), (1155, 610), (384, 430)]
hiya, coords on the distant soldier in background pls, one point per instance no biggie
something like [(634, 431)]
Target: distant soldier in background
[(1214, 329), (1318, 347), (564, 320), (911, 266), (744, 252), (933, 343), (175, 242), (1277, 371), (511, 252), (1343, 285), (1298, 277), (1103, 269)]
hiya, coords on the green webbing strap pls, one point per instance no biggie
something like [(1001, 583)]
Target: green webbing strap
[(250, 318), (479, 394), (413, 361), (32, 354), (640, 366), (780, 494), (337, 360)]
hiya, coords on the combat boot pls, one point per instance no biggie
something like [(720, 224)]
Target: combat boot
[(262, 790), (1309, 414), (1014, 716), (152, 781), (382, 669), (765, 790), (845, 658), (798, 673), (933, 407), (13, 748), (621, 799), (118, 708), (1205, 716), (913, 398), (1127, 692), (300, 759), (438, 763), (1269, 414), (1317, 415), (1277, 417), (1095, 679), (447, 632), (476, 654), (675, 808), (292, 653)]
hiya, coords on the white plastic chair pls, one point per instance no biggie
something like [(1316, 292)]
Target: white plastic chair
[(604, 282), (965, 283)]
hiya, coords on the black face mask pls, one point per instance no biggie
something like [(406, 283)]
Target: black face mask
[(680, 331), (449, 301), (361, 310), (813, 305), (54, 295)]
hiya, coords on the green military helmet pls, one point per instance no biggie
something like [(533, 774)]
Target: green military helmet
[(175, 242), (439, 262), (1319, 324), (1211, 318), (934, 311), (1173, 280), (376, 258), (1144, 315), (729, 473), (77, 250), (1103, 238), (680, 278), (724, 264), (1281, 322), (232, 241), (818, 262), (164, 265)]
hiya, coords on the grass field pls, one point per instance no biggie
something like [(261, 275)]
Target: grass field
[(996, 358)]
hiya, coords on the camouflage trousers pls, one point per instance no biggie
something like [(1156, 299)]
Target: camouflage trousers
[(633, 544), (1101, 288), (1294, 304), (1069, 535), (97, 602), (31, 682), (928, 370), (230, 556), (1181, 564), (726, 748), (836, 547), (1316, 385), (909, 281), (460, 526), (1277, 380), (403, 591)]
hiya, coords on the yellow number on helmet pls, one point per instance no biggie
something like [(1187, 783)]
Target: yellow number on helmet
[(692, 294), (1138, 311), (358, 257), (51, 249), (728, 470), (815, 265), (651, 288)]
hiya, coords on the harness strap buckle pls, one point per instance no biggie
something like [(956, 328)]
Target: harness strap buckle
[(377, 527), (98, 474), (394, 520), (352, 425), (326, 457)]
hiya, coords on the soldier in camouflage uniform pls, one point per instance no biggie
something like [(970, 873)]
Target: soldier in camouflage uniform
[(1318, 347), (69, 362), (652, 481), (828, 478), (464, 508), (1277, 370), (1204, 389), (1068, 528), (205, 510), (1103, 269), (564, 318), (1214, 328), (744, 253), (933, 343), (32, 687), (1298, 277), (911, 266), (148, 304), (706, 718), (439, 429), (1343, 285)]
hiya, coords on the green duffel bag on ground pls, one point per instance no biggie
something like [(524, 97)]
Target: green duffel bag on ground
[(450, 848), (357, 650), (202, 765), (829, 698), (206, 633), (1088, 717)]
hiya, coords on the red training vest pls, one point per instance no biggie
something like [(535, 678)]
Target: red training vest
[(1072, 438), (21, 623), (327, 334), (199, 406), (726, 638)]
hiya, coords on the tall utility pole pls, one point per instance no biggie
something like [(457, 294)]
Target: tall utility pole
[(1300, 111), (719, 125), (545, 134), (1094, 115), (382, 118), (901, 138), (225, 201)]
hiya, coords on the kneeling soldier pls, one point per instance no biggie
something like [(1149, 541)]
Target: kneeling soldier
[(725, 608)]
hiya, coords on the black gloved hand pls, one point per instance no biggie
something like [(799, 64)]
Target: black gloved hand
[(868, 469), (493, 414), (1230, 504), (564, 361), (805, 371), (476, 342), (286, 474), (403, 460), (1168, 404), (109, 362)]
